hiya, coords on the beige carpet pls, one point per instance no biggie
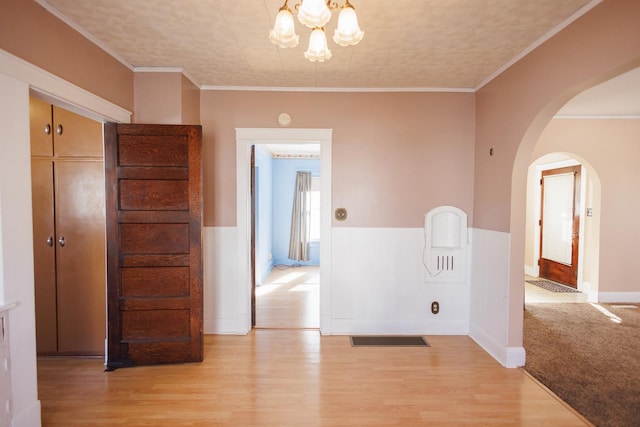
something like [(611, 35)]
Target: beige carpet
[(589, 355)]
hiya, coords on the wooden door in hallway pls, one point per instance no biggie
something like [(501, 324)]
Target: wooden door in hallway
[(154, 265), (560, 224)]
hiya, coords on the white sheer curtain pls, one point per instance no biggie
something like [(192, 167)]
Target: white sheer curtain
[(301, 218)]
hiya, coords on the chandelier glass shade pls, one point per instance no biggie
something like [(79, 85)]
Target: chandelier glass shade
[(318, 49), (316, 14), (284, 32), (348, 32)]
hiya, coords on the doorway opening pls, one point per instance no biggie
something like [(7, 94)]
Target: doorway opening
[(286, 216), (584, 236), (246, 139)]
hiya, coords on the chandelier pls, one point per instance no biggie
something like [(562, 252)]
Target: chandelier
[(315, 14)]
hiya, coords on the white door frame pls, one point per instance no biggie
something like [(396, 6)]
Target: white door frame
[(245, 138)]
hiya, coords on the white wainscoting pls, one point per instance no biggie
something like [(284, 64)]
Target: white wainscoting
[(376, 285), (490, 296), (222, 293)]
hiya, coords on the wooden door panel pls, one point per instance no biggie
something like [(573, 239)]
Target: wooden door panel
[(80, 219), (154, 245), (158, 352), (154, 238), (155, 281), (147, 194), (75, 135), (44, 256), (40, 124), (155, 324), (153, 150)]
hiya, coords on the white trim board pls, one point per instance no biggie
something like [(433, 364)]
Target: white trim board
[(613, 297), (63, 93)]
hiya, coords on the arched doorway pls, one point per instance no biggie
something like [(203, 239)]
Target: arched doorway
[(589, 230)]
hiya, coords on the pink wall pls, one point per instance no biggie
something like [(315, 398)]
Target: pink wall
[(165, 97), (513, 109), (158, 97), (395, 156), (190, 102), (33, 34), (612, 148)]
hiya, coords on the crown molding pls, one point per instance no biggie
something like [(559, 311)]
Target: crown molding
[(333, 89)]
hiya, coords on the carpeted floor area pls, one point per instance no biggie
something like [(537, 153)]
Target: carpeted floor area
[(588, 354)]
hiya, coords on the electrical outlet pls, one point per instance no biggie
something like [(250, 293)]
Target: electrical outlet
[(435, 307)]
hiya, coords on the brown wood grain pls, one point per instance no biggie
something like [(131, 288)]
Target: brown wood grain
[(154, 245)]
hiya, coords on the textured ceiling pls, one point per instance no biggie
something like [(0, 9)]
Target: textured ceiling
[(407, 43)]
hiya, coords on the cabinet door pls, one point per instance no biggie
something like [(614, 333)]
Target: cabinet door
[(44, 257), (81, 257), (40, 120), (75, 135)]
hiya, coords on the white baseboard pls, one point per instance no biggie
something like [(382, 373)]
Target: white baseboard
[(608, 297), (509, 357), (516, 357), (223, 327), (370, 327), (531, 270), (29, 417)]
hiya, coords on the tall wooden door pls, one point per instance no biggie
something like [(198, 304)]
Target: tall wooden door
[(559, 225), (154, 265)]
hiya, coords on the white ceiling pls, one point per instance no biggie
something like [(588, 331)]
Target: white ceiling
[(408, 44)]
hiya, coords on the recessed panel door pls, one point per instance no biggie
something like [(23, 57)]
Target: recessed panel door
[(154, 265)]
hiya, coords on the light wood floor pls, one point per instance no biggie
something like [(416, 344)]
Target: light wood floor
[(283, 377), (289, 298), (298, 378)]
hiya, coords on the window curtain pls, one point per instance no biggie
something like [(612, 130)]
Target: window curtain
[(301, 218)]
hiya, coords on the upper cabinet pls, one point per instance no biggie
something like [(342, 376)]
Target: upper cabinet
[(56, 132)]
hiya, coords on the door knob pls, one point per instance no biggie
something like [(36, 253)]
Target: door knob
[(61, 241), (50, 241), (59, 129), (47, 129)]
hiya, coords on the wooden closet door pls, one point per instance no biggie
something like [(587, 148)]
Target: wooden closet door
[(40, 126), (154, 261), (81, 255), (75, 135), (44, 256)]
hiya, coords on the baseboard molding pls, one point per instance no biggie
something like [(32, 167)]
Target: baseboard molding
[(223, 327), (509, 357), (530, 270), (372, 327), (28, 418), (609, 297)]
